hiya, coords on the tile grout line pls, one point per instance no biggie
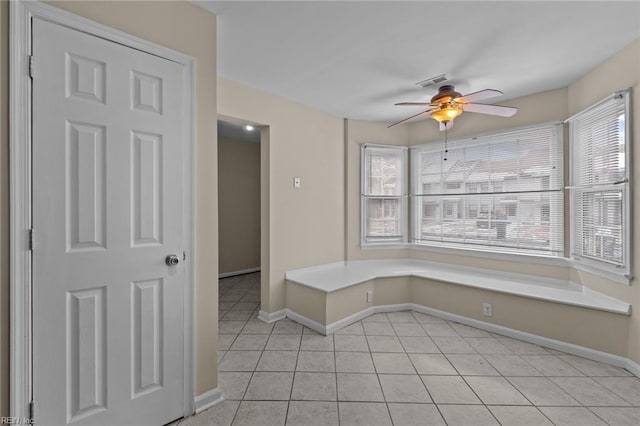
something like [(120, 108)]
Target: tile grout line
[(446, 355), (335, 361)]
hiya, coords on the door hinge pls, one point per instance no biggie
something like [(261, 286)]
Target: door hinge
[(30, 239), (31, 413), (31, 66), (184, 256)]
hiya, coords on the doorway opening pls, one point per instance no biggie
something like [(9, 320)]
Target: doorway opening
[(238, 198)]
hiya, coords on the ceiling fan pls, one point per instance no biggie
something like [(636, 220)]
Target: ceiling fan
[(448, 104)]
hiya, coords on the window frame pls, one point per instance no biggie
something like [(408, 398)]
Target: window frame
[(403, 205), (618, 273), (496, 251)]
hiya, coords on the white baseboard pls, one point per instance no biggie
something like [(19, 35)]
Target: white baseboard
[(272, 316), (633, 367), (335, 326), (570, 348), (307, 322), (241, 272), (208, 399)]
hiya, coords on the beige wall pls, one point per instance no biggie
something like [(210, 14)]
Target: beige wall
[(620, 71), (188, 29), (306, 225), (4, 208), (238, 205), (308, 300), (599, 330)]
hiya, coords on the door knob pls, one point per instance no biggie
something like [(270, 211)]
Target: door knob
[(171, 260)]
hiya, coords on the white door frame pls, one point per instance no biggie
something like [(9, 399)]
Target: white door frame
[(21, 14)]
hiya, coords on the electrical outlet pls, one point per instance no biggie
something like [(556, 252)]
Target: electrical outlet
[(370, 296), (487, 309)]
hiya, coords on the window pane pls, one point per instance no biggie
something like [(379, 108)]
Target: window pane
[(383, 200), (500, 192), (383, 218), (599, 224), (598, 147), (384, 171), (527, 222)]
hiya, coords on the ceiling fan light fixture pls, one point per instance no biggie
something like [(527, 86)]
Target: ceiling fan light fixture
[(447, 112)]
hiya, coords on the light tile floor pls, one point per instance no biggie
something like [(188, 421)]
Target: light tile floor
[(403, 368)]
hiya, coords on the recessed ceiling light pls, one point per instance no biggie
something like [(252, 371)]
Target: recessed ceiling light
[(249, 128)]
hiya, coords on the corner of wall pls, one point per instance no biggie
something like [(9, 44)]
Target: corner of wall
[(4, 209)]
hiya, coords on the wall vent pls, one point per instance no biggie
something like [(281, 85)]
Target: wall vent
[(432, 81)]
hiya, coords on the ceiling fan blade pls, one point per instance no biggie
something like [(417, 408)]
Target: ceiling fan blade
[(413, 103), (446, 125), (413, 116), (477, 96), (499, 110)]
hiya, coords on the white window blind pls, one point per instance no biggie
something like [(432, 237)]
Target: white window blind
[(384, 190), (502, 192), (600, 185)]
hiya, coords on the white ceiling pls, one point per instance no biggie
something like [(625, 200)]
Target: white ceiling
[(356, 59)]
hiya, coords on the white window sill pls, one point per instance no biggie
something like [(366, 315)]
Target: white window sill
[(610, 274), (497, 255), (494, 254)]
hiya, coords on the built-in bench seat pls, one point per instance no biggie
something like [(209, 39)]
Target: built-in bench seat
[(332, 277), (555, 313)]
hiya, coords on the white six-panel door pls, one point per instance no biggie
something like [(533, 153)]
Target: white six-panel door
[(107, 210)]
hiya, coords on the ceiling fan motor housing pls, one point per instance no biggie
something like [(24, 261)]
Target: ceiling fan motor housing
[(446, 91)]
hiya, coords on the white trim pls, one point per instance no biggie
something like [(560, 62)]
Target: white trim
[(403, 204), (21, 14), (632, 367), (377, 145), (492, 254), (188, 217), (20, 209), (570, 348), (597, 104), (337, 325), (554, 131), (240, 272), (558, 345), (385, 246), (608, 274), (307, 322), (270, 317), (206, 400)]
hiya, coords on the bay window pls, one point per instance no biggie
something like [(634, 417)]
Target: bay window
[(504, 192)]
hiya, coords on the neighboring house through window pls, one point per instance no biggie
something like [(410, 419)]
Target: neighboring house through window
[(495, 192)]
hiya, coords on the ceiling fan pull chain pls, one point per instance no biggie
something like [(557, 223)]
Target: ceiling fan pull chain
[(445, 144)]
